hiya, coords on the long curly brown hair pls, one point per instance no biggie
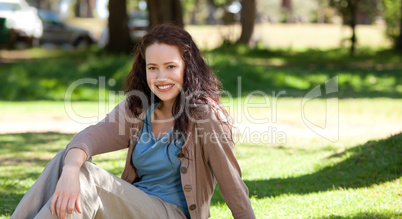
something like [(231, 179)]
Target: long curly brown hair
[(200, 84)]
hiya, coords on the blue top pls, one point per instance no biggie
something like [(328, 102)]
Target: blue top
[(159, 176)]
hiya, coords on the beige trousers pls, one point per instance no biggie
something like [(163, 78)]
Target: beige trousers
[(103, 195)]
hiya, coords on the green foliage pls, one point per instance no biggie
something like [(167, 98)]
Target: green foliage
[(392, 15), (220, 3), (347, 7)]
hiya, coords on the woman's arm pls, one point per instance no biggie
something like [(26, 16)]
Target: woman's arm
[(67, 193), (110, 134), (219, 152)]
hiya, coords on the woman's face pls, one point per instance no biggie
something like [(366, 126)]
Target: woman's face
[(165, 70)]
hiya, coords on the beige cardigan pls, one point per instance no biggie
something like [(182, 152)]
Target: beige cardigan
[(207, 156)]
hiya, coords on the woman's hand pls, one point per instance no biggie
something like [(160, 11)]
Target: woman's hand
[(67, 193)]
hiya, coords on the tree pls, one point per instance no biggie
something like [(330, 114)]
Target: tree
[(322, 6), (42, 4), (352, 19), (90, 7), (248, 13), (287, 5), (393, 18), (399, 40), (349, 9), (194, 12), (119, 37), (165, 11), (77, 8)]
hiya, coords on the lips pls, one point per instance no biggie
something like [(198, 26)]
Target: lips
[(164, 87)]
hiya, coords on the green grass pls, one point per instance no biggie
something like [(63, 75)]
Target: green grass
[(362, 181), (371, 74), (48, 76), (54, 109), (306, 177), (314, 181)]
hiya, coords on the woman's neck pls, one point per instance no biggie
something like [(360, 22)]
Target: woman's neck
[(166, 108)]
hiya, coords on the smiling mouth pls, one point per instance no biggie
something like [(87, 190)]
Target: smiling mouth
[(165, 87)]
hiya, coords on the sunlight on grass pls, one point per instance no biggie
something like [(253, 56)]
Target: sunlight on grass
[(378, 116), (357, 176), (284, 182), (297, 183)]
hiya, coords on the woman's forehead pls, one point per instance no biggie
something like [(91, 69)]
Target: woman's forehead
[(162, 53)]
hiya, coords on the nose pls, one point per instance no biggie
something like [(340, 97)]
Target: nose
[(162, 75)]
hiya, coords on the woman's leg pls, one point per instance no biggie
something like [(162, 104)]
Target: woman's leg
[(103, 195), (42, 190)]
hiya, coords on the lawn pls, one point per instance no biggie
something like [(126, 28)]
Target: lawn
[(305, 177), (314, 181), (372, 73), (358, 175)]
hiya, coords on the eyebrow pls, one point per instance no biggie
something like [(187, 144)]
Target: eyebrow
[(166, 63)]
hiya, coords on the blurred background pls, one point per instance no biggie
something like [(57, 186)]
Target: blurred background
[(273, 23)]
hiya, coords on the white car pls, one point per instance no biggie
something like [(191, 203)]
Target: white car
[(22, 19)]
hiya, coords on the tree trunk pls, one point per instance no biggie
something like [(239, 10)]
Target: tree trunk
[(320, 12), (354, 5), (211, 10), (287, 4), (194, 12), (90, 8), (77, 8), (248, 13), (165, 11), (119, 38), (41, 4), (399, 40)]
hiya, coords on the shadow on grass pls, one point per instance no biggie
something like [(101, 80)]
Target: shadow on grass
[(22, 159), (8, 203), (240, 78), (366, 215), (367, 57), (371, 73), (50, 142), (374, 162), (49, 78), (24, 155)]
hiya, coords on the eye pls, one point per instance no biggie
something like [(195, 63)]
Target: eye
[(171, 67), (152, 68)]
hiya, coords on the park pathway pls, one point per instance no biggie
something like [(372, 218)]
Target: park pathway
[(267, 134)]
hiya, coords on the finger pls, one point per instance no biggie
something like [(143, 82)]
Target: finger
[(53, 202), (58, 205), (78, 203), (63, 207), (70, 205)]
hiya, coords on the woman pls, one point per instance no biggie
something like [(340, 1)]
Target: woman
[(179, 144)]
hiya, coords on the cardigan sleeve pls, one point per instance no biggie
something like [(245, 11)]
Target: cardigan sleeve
[(219, 152), (110, 134)]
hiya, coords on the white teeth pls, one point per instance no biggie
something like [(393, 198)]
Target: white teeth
[(164, 87)]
